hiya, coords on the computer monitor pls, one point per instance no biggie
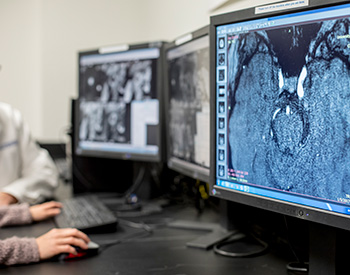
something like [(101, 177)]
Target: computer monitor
[(187, 104), (280, 122), (120, 102)]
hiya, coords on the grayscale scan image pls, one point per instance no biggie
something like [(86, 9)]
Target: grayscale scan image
[(289, 115), (106, 93), (189, 106)]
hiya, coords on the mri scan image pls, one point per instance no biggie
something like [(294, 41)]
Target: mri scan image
[(289, 119), (106, 93), (189, 106)]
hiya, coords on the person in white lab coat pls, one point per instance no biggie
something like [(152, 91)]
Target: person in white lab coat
[(27, 173)]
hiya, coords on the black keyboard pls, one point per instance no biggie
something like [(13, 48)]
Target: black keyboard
[(86, 213)]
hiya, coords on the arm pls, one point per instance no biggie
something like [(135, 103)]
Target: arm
[(26, 250), (18, 251), (58, 241), (15, 215), (38, 176)]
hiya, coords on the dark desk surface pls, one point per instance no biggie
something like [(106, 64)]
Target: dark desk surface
[(164, 252)]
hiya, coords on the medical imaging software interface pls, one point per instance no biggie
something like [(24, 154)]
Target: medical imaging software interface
[(283, 108), (188, 72), (118, 105)]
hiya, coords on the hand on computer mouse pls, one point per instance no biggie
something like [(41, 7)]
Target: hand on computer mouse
[(93, 249), (58, 241), (45, 210)]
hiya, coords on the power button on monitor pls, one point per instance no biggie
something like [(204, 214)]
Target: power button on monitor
[(301, 213)]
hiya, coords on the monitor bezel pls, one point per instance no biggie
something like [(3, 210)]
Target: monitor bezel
[(181, 166), (286, 208), (160, 156)]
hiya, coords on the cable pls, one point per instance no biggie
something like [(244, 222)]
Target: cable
[(69, 155), (147, 230), (136, 183), (146, 210), (218, 248), (298, 266), (84, 181), (155, 168), (129, 201), (136, 225), (128, 238), (62, 136)]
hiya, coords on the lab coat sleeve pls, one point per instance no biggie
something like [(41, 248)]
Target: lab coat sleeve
[(38, 174)]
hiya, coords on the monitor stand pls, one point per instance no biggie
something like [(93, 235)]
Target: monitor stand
[(215, 232), (328, 250), (131, 202)]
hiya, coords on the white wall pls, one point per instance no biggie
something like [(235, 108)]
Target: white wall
[(20, 55), (42, 38)]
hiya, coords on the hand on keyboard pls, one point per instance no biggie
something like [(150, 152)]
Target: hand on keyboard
[(45, 210)]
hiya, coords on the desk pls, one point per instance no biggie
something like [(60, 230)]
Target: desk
[(162, 253)]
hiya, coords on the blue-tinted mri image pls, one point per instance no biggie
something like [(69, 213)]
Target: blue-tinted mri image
[(289, 121)]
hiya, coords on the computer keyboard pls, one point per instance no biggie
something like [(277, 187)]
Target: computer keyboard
[(86, 213)]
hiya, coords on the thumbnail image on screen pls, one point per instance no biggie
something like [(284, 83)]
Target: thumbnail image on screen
[(288, 119), (188, 72), (118, 102)]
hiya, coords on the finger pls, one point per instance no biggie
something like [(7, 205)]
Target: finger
[(73, 241), (52, 212), (72, 232), (66, 248), (52, 204), (82, 236)]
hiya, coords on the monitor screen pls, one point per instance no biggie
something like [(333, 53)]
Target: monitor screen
[(119, 104), (282, 97), (188, 106)]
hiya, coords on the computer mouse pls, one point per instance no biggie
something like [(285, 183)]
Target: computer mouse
[(92, 250)]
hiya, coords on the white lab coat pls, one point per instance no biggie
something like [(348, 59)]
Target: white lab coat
[(26, 171)]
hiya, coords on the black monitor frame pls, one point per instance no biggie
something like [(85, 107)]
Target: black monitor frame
[(160, 156), (184, 167), (291, 209)]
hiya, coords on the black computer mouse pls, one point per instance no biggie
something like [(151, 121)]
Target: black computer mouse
[(92, 250)]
